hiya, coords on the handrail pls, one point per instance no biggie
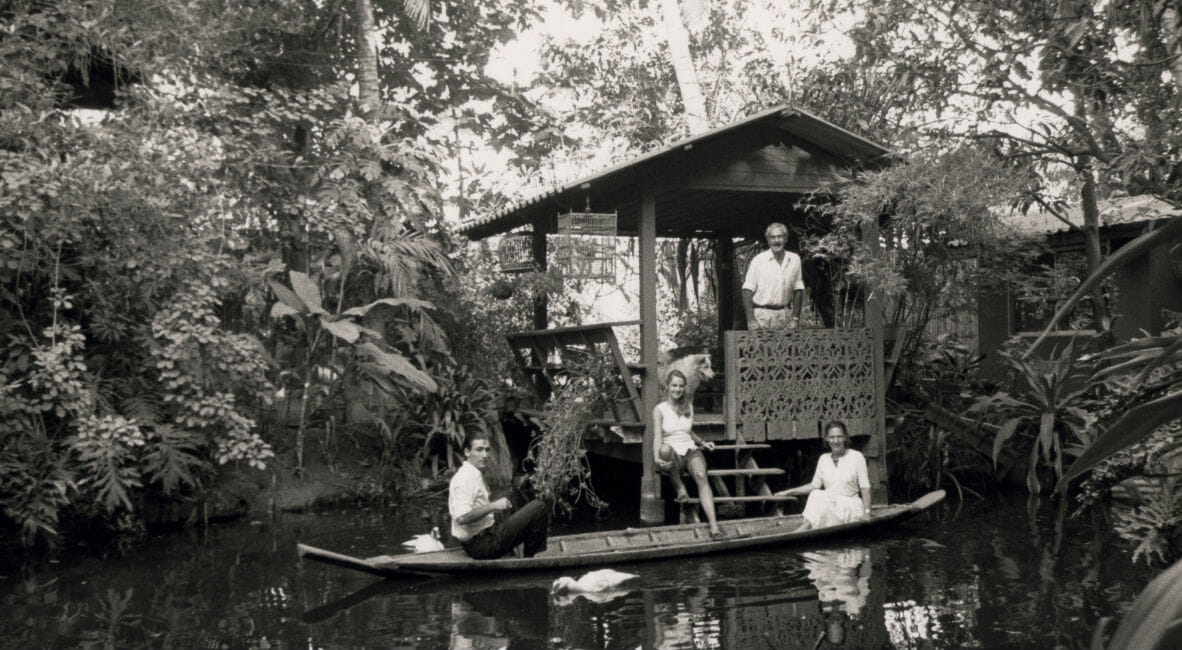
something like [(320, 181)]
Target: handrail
[(576, 328)]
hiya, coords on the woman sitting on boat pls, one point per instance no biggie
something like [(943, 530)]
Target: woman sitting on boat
[(679, 449), (840, 490)]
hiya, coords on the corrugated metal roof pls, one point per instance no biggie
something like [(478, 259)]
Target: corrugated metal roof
[(1115, 211), (800, 125)]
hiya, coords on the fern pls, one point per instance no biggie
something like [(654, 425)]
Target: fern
[(172, 458), (142, 408), (1152, 525), (106, 451), (35, 485)]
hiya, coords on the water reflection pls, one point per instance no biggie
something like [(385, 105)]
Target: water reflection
[(973, 579), (492, 619), (842, 579)]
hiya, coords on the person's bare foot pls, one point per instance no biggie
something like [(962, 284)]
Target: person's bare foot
[(682, 496), (716, 534)]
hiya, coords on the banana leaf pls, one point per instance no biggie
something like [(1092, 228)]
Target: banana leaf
[(1154, 622)]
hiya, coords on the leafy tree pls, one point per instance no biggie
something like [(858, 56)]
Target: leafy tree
[(1081, 90), (941, 240), (134, 287)]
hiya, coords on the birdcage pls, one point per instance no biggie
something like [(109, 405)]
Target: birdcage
[(515, 252), (585, 246)]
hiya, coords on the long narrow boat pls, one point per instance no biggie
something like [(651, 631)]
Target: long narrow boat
[(627, 545)]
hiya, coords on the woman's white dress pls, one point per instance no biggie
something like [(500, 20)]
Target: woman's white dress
[(835, 499), (675, 428)]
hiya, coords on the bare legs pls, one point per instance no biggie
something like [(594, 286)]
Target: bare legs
[(697, 469), (695, 463), (668, 455)]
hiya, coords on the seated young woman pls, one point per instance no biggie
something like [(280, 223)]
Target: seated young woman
[(678, 449), (840, 490)]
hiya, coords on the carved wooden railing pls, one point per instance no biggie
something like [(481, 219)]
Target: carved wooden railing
[(784, 384)]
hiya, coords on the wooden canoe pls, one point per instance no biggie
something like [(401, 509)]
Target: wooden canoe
[(627, 545)]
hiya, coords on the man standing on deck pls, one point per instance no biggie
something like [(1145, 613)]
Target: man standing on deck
[(472, 520), (773, 281)]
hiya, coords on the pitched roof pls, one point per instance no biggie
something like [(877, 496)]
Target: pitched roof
[(781, 152), (1113, 212)]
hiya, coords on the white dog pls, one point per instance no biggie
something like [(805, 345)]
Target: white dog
[(696, 368)]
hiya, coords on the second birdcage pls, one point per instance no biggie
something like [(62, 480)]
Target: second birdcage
[(585, 245)]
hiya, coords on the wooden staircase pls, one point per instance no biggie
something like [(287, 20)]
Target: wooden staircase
[(750, 482)]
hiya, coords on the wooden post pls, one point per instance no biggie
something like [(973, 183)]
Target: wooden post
[(541, 317), (652, 508), (724, 266), (876, 462)]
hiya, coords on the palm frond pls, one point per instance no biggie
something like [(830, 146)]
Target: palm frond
[(418, 11)]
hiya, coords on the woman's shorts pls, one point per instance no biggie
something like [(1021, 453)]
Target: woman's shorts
[(681, 462)]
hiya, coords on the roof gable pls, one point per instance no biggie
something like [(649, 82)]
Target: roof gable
[(725, 181)]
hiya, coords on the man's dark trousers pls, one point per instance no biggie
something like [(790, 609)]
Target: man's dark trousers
[(529, 525)]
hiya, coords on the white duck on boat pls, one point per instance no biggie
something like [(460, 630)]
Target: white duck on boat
[(424, 543)]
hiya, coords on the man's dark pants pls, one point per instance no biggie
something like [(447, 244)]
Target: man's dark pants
[(529, 525)]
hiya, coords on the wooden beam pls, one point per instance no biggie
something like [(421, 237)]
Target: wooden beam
[(652, 508), (541, 307), (724, 265)]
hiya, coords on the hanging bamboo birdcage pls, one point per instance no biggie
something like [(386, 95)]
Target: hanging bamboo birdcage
[(515, 253), (585, 246)]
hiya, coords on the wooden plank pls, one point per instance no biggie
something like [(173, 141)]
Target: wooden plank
[(730, 362), (894, 335), (724, 270), (762, 471), (541, 302), (652, 509), (626, 376), (780, 430), (754, 430), (772, 168), (525, 367), (708, 419), (748, 499), (577, 328), (543, 361)]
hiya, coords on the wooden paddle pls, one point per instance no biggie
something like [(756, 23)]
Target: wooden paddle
[(328, 557)]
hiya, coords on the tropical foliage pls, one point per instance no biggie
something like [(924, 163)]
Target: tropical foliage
[(561, 472), (940, 238), (225, 170), (1048, 405), (925, 455)]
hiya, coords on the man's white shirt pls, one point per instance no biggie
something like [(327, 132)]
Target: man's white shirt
[(771, 282), (465, 493)]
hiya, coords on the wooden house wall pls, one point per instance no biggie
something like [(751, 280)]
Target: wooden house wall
[(1145, 290)]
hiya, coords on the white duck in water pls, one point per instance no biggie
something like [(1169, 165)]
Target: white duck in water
[(593, 582), (424, 543)]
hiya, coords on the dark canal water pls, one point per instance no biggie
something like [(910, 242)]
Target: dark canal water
[(981, 575)]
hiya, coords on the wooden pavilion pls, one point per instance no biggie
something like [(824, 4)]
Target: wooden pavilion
[(724, 184)]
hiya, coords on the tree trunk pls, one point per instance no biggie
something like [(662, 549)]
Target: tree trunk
[(367, 57), (1091, 234), (1171, 31), (683, 67)]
